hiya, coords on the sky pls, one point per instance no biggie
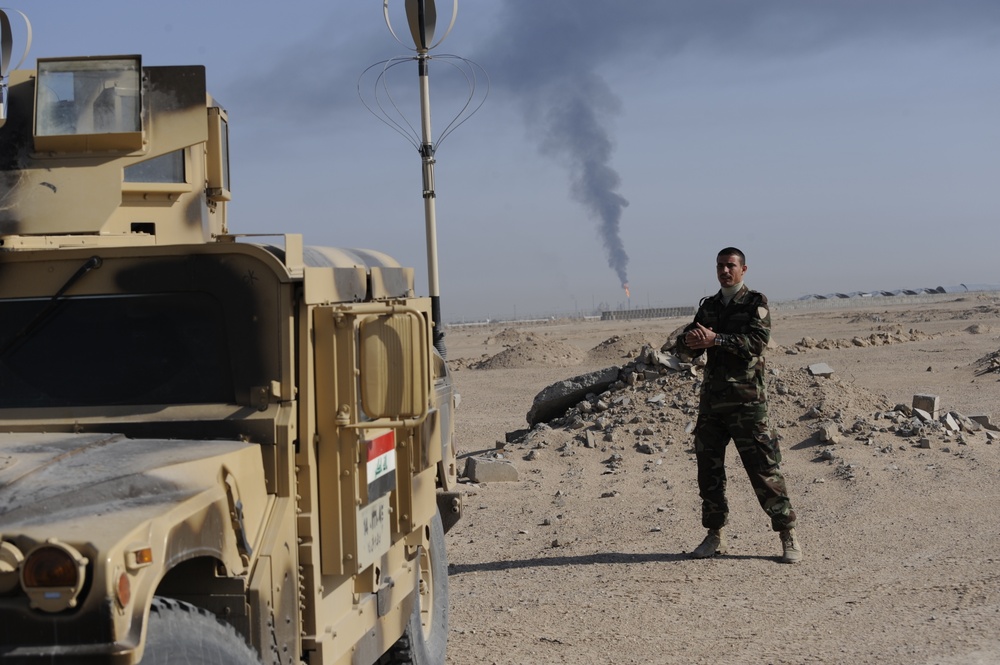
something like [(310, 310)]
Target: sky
[(843, 145)]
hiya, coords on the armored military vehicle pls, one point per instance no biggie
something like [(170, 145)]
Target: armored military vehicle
[(213, 449)]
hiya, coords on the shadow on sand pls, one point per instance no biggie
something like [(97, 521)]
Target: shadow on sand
[(601, 558)]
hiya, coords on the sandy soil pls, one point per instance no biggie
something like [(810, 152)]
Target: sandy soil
[(584, 558)]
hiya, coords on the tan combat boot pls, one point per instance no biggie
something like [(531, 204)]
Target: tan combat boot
[(791, 552), (714, 543)]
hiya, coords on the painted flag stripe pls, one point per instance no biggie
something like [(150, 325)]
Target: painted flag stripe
[(381, 465), (381, 486), (381, 445)]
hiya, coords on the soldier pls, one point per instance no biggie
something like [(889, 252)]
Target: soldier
[(733, 327)]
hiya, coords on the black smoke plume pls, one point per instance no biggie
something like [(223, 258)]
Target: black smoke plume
[(538, 57)]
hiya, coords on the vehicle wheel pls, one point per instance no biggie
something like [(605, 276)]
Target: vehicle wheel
[(180, 632), (426, 638)]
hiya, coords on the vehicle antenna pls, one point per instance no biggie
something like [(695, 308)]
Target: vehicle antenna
[(422, 17)]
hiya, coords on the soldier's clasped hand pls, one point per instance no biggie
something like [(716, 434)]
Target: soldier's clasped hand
[(700, 337)]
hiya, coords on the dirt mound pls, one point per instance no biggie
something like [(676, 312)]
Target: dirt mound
[(797, 396), (866, 317), (623, 346), (882, 336), (534, 351), (508, 337), (978, 312)]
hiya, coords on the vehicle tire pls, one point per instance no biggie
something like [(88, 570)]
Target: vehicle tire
[(425, 641), (180, 632)]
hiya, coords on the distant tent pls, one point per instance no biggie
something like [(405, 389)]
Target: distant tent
[(961, 288)]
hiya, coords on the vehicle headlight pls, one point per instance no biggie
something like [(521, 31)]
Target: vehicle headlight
[(10, 563), (52, 575)]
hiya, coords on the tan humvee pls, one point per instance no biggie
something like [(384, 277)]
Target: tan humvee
[(211, 450)]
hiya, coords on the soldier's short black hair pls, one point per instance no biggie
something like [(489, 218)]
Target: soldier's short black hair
[(730, 251)]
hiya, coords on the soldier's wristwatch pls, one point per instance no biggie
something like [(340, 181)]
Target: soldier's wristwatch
[(718, 340)]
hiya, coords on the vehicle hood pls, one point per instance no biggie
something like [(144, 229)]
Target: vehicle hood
[(64, 485)]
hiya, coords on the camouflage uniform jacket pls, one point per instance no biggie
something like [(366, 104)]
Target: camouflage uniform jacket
[(734, 372)]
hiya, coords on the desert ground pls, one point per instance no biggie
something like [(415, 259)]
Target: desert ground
[(584, 558)]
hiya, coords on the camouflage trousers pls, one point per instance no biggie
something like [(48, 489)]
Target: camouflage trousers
[(758, 449)]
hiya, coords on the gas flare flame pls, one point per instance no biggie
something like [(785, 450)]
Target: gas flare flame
[(628, 294)]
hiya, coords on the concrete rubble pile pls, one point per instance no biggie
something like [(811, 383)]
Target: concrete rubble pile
[(646, 400), (651, 403)]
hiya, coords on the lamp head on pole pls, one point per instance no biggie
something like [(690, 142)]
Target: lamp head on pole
[(421, 15)]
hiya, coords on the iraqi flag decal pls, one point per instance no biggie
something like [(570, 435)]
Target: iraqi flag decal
[(381, 464)]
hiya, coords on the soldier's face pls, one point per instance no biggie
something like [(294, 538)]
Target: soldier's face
[(729, 269)]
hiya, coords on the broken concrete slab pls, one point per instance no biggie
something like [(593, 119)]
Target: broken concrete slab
[(984, 420), (657, 399), (554, 400), (670, 361), (663, 358), (950, 422), (967, 424), (820, 369), (490, 470), (929, 403)]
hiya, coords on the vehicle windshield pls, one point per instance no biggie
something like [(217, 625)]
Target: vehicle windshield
[(161, 348)]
